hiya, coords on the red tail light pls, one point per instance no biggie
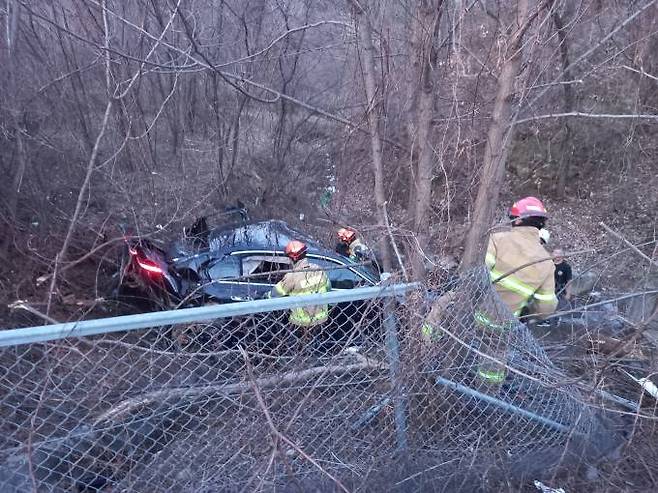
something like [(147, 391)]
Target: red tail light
[(149, 266), (145, 263)]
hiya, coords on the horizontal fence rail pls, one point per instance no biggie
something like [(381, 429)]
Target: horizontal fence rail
[(83, 328)]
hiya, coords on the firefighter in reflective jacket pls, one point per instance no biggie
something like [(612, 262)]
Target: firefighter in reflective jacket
[(351, 246), (305, 278), (522, 273)]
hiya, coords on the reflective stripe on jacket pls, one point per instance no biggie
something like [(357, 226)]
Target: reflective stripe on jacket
[(533, 285), (306, 278)]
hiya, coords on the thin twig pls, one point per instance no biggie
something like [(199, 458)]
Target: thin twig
[(41, 279), (91, 164), (641, 72), (33, 418), (533, 262), (186, 354)]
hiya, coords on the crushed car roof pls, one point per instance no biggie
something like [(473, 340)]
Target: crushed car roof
[(265, 235)]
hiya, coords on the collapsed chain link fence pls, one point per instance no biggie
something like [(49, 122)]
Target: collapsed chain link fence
[(386, 395)]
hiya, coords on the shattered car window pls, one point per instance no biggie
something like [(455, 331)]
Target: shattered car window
[(271, 267), (225, 268)]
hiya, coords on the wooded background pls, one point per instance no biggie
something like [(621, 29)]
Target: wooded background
[(420, 120), (416, 121)]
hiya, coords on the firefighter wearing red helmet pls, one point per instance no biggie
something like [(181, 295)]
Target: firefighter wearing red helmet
[(305, 278), (523, 275), (350, 245)]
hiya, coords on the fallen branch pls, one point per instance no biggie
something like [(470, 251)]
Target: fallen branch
[(134, 403), (587, 115), (22, 305), (623, 345), (585, 308)]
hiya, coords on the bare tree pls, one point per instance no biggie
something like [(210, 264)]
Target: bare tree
[(499, 138), (568, 101), (427, 30), (364, 31)]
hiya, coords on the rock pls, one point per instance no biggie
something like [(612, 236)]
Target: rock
[(641, 308), (583, 283), (591, 473), (609, 346)]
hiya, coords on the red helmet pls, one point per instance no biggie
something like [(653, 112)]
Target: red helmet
[(296, 250), (346, 235), (528, 207)]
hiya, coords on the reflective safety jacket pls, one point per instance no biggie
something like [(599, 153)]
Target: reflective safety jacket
[(532, 286), (306, 278)]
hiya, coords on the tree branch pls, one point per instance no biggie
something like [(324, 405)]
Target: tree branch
[(633, 247), (641, 72), (587, 115)]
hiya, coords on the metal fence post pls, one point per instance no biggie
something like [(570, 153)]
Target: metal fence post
[(393, 356)]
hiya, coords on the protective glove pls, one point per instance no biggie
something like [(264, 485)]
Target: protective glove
[(430, 333)]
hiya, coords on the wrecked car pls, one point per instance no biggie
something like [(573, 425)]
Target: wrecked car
[(233, 263)]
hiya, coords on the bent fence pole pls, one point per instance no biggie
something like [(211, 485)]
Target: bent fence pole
[(505, 406)]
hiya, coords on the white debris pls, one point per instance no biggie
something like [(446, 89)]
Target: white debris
[(547, 489)]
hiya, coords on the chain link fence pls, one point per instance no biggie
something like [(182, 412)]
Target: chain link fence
[(389, 394)]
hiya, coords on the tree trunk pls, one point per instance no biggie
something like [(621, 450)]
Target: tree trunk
[(567, 106), (364, 32), (411, 95), (430, 16), (645, 58), (498, 141), (14, 192)]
